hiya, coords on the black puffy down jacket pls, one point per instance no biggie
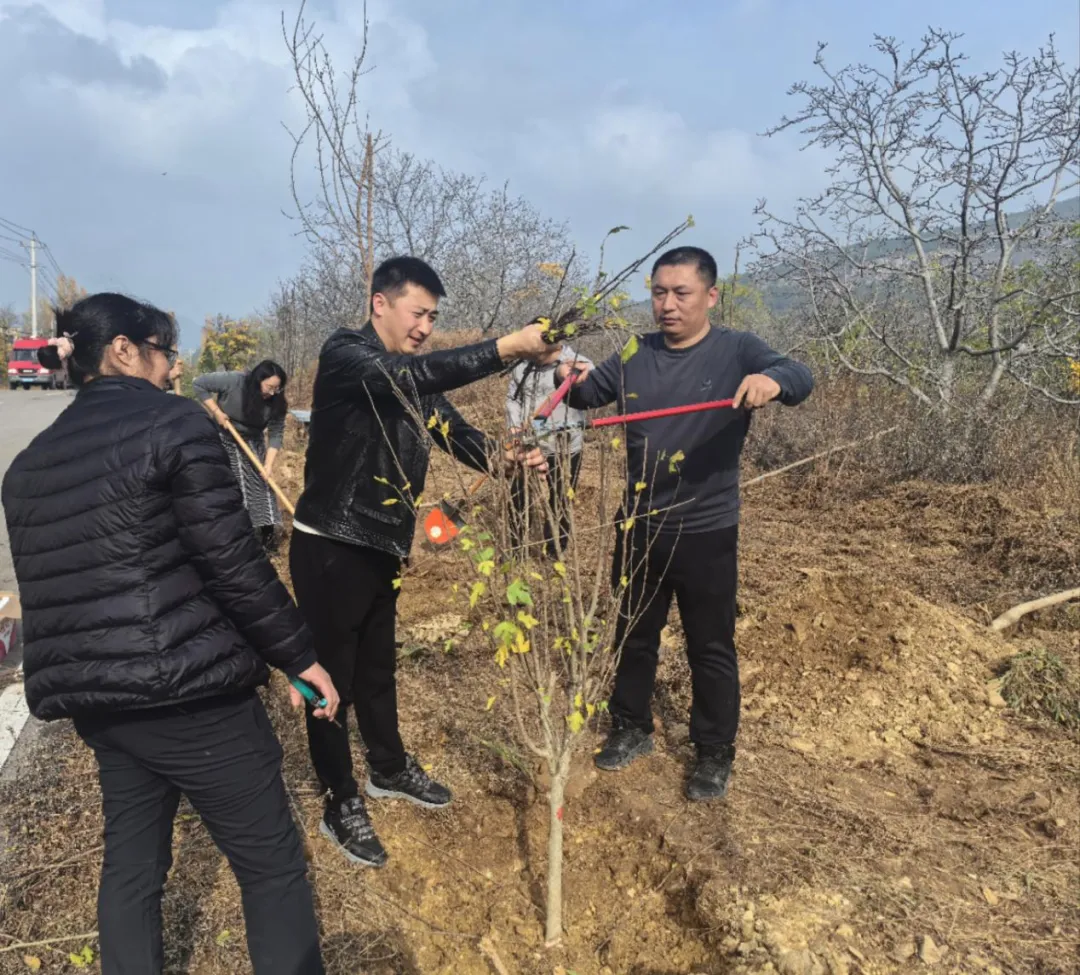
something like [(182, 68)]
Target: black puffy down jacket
[(141, 580)]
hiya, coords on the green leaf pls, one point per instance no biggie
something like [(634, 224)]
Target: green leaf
[(390, 501), (630, 349), (381, 480), (505, 632), (485, 554), (223, 939), (517, 594)]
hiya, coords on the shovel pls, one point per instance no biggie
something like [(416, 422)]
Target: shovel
[(444, 522)]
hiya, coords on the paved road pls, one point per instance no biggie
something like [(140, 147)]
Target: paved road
[(23, 414)]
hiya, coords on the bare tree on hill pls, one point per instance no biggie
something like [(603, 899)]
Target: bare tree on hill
[(938, 257)]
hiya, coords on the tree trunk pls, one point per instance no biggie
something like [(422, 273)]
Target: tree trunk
[(553, 932)]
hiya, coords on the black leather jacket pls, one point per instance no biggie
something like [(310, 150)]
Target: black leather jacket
[(365, 448)]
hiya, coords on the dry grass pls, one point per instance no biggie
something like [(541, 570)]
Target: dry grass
[(1040, 683)]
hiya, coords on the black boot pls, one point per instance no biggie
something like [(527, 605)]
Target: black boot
[(412, 783), (711, 774), (623, 745), (347, 825)]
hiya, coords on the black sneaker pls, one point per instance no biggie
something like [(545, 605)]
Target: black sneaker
[(347, 825), (624, 744), (412, 783), (711, 774)]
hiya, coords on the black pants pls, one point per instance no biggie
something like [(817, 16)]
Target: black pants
[(223, 755), (563, 473), (346, 594), (701, 572)]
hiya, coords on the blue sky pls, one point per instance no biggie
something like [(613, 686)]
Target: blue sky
[(143, 139)]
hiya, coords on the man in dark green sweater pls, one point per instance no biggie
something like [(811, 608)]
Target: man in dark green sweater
[(685, 470)]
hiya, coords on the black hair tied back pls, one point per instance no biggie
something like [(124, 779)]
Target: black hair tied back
[(85, 330)]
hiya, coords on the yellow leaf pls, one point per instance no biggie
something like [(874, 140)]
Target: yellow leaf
[(444, 429), (630, 349), (490, 703), (485, 568), (576, 721), (536, 576), (628, 524), (502, 655), (560, 569), (454, 587), (521, 645), (640, 486), (577, 700), (223, 938), (673, 464), (396, 583), (571, 493), (623, 581), (32, 962), (527, 621), (478, 589), (433, 422), (616, 443), (466, 544), (381, 480), (590, 709), (427, 768), (77, 961), (390, 501)]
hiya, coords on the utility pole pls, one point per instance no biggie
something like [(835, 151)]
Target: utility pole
[(33, 286)]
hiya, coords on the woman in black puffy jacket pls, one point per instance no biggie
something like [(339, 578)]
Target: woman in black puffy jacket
[(150, 616)]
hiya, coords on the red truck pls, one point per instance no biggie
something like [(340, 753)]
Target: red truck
[(24, 369)]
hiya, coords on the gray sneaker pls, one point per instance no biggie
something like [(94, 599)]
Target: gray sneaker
[(412, 783), (624, 744)]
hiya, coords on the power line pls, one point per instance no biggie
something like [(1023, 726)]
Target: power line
[(52, 260), (13, 240), (15, 228), (16, 258)]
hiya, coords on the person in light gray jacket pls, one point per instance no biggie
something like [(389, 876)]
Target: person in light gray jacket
[(529, 386)]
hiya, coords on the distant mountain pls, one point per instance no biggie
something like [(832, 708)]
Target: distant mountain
[(779, 296)]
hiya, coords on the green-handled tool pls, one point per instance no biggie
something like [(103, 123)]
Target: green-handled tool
[(310, 695)]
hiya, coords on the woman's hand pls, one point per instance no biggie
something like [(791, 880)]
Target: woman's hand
[(318, 678)]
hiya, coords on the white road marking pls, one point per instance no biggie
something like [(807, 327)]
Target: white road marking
[(13, 717)]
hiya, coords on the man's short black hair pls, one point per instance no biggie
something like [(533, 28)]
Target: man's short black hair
[(701, 259), (394, 275)]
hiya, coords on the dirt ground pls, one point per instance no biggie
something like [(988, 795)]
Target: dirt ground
[(889, 812)]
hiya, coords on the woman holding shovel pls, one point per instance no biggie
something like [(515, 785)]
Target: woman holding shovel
[(253, 404)]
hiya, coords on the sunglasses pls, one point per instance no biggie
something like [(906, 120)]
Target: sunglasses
[(171, 355)]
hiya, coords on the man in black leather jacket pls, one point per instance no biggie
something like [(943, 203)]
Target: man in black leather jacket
[(366, 463)]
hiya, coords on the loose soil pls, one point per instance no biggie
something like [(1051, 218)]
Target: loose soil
[(888, 812)]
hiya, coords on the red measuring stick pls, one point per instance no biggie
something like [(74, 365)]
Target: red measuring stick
[(607, 421)]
